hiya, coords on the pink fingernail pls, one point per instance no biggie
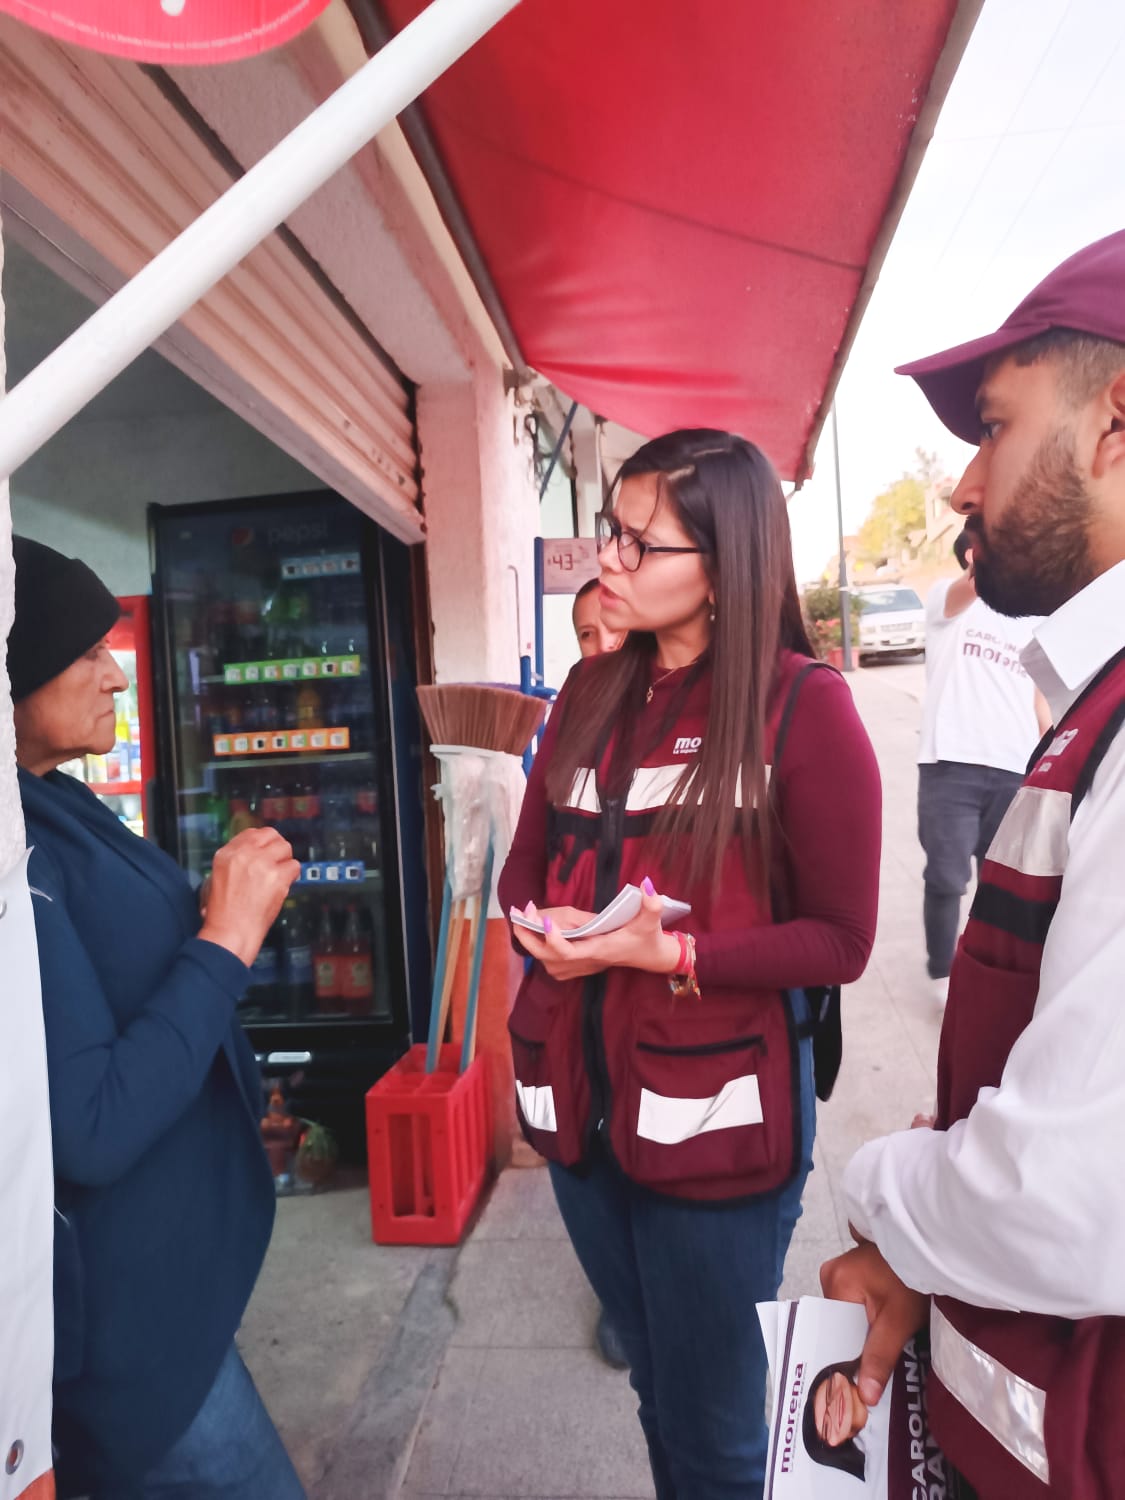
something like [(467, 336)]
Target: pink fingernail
[(546, 924), (648, 887)]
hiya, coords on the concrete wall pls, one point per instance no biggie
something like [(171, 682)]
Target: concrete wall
[(87, 490), (11, 819), (481, 518)]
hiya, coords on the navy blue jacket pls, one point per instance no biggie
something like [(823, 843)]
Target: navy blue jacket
[(165, 1200)]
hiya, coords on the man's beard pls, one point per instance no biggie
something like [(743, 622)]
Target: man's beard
[(1037, 556)]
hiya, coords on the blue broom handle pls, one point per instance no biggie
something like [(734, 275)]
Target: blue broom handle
[(478, 960), (433, 1042)]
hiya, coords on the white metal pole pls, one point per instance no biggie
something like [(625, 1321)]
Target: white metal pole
[(845, 593), (163, 290)]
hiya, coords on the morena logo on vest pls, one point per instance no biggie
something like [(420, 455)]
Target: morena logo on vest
[(1056, 748), (687, 744)]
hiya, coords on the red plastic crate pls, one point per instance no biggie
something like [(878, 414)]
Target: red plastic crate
[(429, 1144)]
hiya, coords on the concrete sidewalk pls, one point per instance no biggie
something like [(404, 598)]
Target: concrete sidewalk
[(420, 1373)]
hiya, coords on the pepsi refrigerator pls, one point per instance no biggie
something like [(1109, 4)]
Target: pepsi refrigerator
[(283, 661)]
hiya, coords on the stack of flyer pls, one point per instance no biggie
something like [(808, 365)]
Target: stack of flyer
[(825, 1443)]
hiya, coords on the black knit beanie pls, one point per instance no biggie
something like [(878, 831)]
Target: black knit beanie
[(62, 609)]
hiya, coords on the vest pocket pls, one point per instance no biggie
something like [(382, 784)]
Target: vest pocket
[(703, 1115), (552, 1093)]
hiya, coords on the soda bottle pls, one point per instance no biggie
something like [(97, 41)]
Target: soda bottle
[(308, 707), (295, 959), (244, 810), (263, 992), (327, 963), (356, 979), (298, 612), (276, 805), (367, 823), (305, 800)]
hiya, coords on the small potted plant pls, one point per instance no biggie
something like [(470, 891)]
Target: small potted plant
[(316, 1154)]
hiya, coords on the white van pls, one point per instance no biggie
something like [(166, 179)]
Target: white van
[(893, 621)]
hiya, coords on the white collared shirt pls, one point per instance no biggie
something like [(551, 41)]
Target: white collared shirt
[(1021, 1205)]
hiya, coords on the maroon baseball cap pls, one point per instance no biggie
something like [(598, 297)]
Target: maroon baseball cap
[(1086, 293)]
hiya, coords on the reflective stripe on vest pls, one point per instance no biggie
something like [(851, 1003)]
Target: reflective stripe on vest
[(670, 1121), (1008, 1407), (538, 1105), (650, 789)]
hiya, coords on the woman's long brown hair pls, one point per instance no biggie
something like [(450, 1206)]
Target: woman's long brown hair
[(727, 497)]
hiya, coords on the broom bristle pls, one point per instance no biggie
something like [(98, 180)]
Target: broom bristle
[(485, 718)]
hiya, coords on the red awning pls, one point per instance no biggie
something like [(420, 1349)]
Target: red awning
[(683, 206), (171, 32)]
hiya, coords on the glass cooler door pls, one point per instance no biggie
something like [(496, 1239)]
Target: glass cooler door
[(275, 663)]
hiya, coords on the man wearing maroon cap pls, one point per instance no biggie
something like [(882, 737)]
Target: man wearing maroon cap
[(1005, 1225)]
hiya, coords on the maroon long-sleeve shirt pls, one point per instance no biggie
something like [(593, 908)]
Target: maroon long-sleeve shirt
[(829, 801)]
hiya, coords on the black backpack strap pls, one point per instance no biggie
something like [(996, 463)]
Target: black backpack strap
[(790, 704)]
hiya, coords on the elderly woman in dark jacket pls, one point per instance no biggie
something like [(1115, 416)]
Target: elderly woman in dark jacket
[(164, 1199)]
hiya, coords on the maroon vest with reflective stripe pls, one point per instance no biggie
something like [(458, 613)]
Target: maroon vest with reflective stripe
[(1025, 1405), (694, 1098)]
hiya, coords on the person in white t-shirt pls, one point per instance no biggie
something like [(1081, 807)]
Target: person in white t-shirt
[(981, 720)]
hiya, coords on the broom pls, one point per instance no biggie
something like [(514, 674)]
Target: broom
[(480, 717), (498, 721)]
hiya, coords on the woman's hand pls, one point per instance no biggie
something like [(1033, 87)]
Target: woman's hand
[(250, 878), (640, 944)]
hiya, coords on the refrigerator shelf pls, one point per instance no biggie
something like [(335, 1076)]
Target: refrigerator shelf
[(117, 788), (305, 758)]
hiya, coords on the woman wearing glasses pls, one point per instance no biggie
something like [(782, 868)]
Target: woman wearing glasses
[(667, 1075)]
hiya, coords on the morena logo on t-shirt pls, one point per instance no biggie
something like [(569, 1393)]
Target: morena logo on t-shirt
[(687, 744)]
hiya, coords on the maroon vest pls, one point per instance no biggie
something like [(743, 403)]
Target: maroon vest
[(697, 1099), (1025, 1405)]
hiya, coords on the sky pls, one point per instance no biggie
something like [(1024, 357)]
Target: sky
[(1027, 165)]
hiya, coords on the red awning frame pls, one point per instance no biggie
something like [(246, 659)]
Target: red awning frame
[(957, 39), (933, 86)]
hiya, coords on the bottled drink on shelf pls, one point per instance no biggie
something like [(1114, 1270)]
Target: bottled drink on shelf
[(295, 959), (245, 809), (273, 626), (289, 708), (213, 716), (367, 824), (299, 612), (305, 800), (264, 976), (308, 707), (327, 963), (356, 975), (342, 842), (276, 804), (251, 637)]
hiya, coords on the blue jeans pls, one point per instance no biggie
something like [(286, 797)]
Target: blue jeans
[(960, 807), (231, 1451), (679, 1282)]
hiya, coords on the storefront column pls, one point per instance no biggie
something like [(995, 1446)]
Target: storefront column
[(11, 818), (587, 469), (481, 521)]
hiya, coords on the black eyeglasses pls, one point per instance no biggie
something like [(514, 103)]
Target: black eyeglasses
[(630, 549)]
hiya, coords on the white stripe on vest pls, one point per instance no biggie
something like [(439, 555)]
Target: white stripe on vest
[(1008, 1407), (651, 788), (670, 1121), (1033, 836), (538, 1105)]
